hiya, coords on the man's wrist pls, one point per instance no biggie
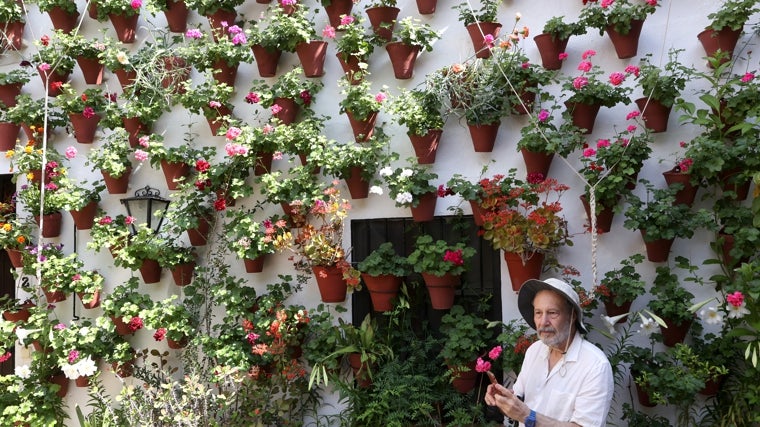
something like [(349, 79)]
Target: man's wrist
[(530, 420)]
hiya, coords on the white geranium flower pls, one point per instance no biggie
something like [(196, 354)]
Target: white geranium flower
[(86, 367), (406, 173), (404, 198), (386, 171), (647, 326), (122, 57), (84, 331), (737, 311), (376, 189), (23, 371), (70, 371), (711, 316)]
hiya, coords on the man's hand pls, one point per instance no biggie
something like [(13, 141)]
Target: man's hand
[(509, 404)]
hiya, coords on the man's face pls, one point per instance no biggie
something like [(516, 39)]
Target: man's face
[(553, 319)]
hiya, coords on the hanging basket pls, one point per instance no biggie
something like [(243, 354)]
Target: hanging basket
[(521, 271), (626, 45), (426, 146), (483, 136), (403, 58), (550, 47), (383, 290), (85, 217), (425, 209), (442, 289), (125, 26), (332, 287), (84, 127), (312, 56), (477, 32)]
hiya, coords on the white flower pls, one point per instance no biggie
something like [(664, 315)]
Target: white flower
[(737, 312), (406, 173), (610, 322), (711, 316), (122, 57), (22, 333), (386, 171), (23, 371), (404, 198), (86, 367), (70, 371), (518, 16), (376, 189), (647, 326), (84, 331)]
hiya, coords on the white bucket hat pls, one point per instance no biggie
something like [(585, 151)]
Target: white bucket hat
[(531, 287)]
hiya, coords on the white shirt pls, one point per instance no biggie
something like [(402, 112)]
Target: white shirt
[(579, 389)]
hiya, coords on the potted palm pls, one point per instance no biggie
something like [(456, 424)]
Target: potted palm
[(552, 41), (481, 25), (421, 111), (662, 87), (622, 20), (382, 271), (660, 220), (441, 264), (409, 38), (411, 186)]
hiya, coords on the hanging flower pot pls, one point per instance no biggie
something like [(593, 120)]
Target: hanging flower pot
[(92, 70), (199, 235), (51, 224), (182, 274), (288, 110), (360, 369), (441, 289), (537, 162), (9, 92), (403, 57), (425, 209), (255, 265), (464, 381), (358, 187), (426, 7), (20, 315), (174, 172), (426, 146), (225, 73), (84, 127), (122, 328), (8, 135), (150, 271), (724, 40), (655, 114), (17, 259), (85, 217), (176, 14), (675, 333), (483, 136), (215, 123), (521, 270), (136, 128), (63, 20), (14, 34), (53, 296), (126, 77), (731, 183), (305, 162), (336, 8), (550, 47), (604, 216), (657, 250), (332, 287), (62, 382), (477, 213), (117, 185), (53, 79), (362, 129), (266, 60), (123, 370), (642, 394), (176, 345), (688, 193), (712, 386), (125, 26), (351, 67), (478, 32), (312, 55), (176, 72), (263, 163), (219, 20), (584, 115), (82, 381), (383, 290), (383, 19), (613, 309), (525, 104), (626, 45), (94, 299)]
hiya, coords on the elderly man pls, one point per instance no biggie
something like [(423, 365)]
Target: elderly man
[(565, 380)]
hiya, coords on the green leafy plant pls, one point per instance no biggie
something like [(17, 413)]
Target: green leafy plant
[(11, 12), (208, 98), (384, 260), (250, 239), (278, 30), (671, 300), (589, 89), (370, 157), (439, 257), (732, 14), (544, 135), (407, 184), (561, 30), (622, 284), (355, 41), (117, 7), (127, 303), (420, 110), (663, 84), (203, 51), (617, 14), (413, 32), (290, 85), (466, 335), (114, 156), (358, 99), (486, 13), (208, 7)]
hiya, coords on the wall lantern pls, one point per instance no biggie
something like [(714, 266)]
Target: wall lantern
[(146, 207)]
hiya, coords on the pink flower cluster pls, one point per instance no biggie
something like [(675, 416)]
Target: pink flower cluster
[(233, 149), (135, 324), (484, 365), (136, 4), (736, 299)]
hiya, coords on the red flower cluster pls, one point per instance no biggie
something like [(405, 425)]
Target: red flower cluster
[(454, 257), (135, 324), (160, 334)]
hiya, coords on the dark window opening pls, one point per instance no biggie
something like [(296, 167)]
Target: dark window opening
[(7, 285)]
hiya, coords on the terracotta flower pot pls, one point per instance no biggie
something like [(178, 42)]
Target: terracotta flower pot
[(336, 8), (483, 136), (174, 172), (351, 67), (94, 302), (604, 216), (362, 129), (8, 136), (657, 250), (478, 31), (550, 47), (464, 381), (199, 235), (84, 218), (675, 333), (626, 45), (537, 162), (425, 209), (688, 193), (521, 271), (426, 146), (332, 287), (9, 92), (217, 19), (383, 20), (266, 60), (442, 289), (150, 271), (288, 110), (583, 115), (63, 20), (426, 7), (225, 73), (358, 187), (17, 259), (84, 127), (654, 114), (724, 40), (182, 274), (13, 35), (312, 56), (51, 224), (92, 70), (117, 185), (360, 369), (255, 265), (125, 26), (176, 14), (383, 290), (403, 58), (53, 80)]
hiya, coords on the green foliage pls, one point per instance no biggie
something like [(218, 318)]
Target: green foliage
[(663, 84), (670, 299), (618, 15), (384, 260), (732, 14), (419, 110), (414, 32), (113, 157), (208, 7), (562, 30), (438, 257), (487, 12), (624, 282), (466, 336), (406, 184)]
